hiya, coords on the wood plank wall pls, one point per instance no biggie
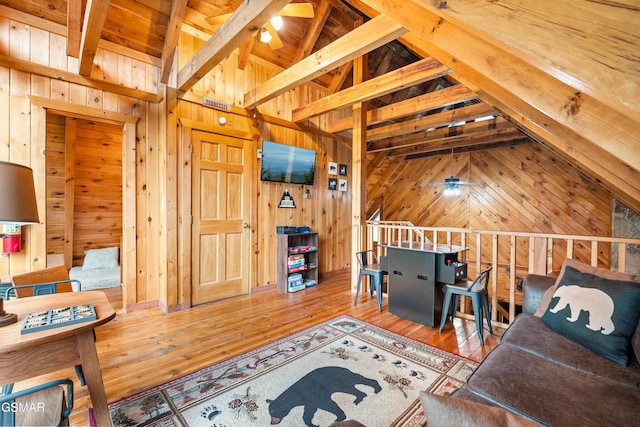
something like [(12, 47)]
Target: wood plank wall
[(23, 139), (96, 193), (325, 211), (527, 189)]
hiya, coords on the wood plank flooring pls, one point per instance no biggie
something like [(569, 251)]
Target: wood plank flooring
[(142, 349)]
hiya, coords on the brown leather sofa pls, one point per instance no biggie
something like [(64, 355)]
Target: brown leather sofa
[(542, 376)]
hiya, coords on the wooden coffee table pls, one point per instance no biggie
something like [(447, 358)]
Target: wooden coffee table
[(24, 356)]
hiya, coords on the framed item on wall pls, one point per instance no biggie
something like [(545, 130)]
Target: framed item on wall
[(343, 169), (333, 184), (333, 168), (342, 185)]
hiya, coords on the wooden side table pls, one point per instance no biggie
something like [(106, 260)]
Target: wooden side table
[(37, 353)]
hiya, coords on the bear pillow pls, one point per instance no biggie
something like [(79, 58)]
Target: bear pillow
[(597, 312)]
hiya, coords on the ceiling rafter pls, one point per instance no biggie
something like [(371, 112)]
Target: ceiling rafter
[(172, 37), (444, 118), (409, 75), (95, 15), (74, 27), (412, 106), (361, 40), (419, 138), (245, 21), (321, 15)]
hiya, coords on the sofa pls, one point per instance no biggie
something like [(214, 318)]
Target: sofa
[(569, 359)]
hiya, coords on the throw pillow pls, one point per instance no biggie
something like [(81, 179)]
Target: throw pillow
[(101, 258), (585, 268), (447, 411), (599, 313)]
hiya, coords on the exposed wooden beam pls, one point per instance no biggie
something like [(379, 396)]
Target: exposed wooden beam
[(412, 106), (244, 52), (360, 41), (74, 27), (341, 74), (440, 134), (245, 21), (409, 75), (317, 24), (53, 73), (95, 14), (436, 120), (601, 140), (178, 8), (266, 118), (465, 140)]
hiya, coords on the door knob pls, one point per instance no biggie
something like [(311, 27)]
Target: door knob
[(245, 225)]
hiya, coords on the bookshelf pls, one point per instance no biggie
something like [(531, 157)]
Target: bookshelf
[(297, 258)]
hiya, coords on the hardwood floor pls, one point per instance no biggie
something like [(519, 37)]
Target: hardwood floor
[(146, 348)]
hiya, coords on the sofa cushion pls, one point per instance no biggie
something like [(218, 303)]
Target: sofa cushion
[(585, 268), (551, 393), (446, 411), (597, 312), (528, 333)]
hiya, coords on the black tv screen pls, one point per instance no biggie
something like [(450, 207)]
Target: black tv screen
[(285, 163)]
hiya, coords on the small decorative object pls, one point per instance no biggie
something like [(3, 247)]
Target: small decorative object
[(343, 169), (333, 184), (333, 168), (58, 317), (342, 185), (286, 201)]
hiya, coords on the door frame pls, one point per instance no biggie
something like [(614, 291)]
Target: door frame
[(128, 255), (184, 203)]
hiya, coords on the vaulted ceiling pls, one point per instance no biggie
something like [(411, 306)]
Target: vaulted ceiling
[(565, 74)]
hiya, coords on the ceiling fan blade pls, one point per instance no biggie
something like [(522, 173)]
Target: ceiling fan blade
[(218, 19), (275, 42), (471, 184), (298, 10)]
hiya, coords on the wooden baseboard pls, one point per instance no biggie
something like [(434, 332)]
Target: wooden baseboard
[(261, 289)]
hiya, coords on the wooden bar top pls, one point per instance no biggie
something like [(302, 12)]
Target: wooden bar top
[(10, 337), (426, 246)]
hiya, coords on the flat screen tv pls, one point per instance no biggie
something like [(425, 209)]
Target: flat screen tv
[(285, 163)]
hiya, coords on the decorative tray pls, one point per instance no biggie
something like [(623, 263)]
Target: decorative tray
[(35, 322)]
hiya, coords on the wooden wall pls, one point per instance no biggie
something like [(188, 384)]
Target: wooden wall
[(326, 211), (526, 189), (91, 160), (23, 140)]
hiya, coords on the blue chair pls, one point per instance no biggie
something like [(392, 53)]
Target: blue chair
[(37, 289), (369, 266), (41, 405), (477, 291)]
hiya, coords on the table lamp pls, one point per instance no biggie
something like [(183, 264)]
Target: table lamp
[(18, 206)]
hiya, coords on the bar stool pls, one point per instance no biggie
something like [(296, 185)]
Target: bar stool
[(369, 267), (477, 291)]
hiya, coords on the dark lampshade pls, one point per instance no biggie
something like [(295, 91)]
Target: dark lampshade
[(17, 195)]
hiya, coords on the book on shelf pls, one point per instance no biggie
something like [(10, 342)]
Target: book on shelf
[(299, 268), (300, 249), (296, 263)]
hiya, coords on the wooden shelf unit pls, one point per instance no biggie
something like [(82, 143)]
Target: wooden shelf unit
[(288, 241)]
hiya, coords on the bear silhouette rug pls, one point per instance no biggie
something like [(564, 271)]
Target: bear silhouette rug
[(340, 369)]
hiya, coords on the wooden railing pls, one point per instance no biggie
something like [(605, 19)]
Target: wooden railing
[(512, 255)]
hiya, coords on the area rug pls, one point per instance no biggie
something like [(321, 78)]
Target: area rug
[(340, 369)]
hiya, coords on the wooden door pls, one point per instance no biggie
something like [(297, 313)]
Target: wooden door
[(221, 211)]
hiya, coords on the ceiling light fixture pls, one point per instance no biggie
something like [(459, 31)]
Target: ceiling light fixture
[(265, 37), (276, 21)]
